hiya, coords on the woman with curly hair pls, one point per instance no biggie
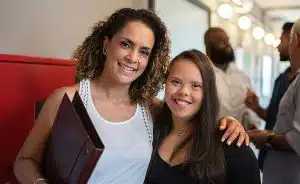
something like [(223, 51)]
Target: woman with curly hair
[(121, 67)]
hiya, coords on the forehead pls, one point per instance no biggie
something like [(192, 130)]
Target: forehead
[(185, 70), (139, 33), (218, 35)]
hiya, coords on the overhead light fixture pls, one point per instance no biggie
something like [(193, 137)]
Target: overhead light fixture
[(269, 39), (243, 6), (225, 11), (237, 2), (244, 22), (247, 5), (276, 43), (258, 33)]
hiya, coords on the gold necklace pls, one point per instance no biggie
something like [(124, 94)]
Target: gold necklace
[(181, 133), (113, 101)]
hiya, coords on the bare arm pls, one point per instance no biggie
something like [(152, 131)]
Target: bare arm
[(253, 103), (155, 107), (289, 141), (28, 162), (279, 142), (232, 128), (262, 113)]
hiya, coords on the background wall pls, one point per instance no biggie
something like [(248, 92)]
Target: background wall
[(186, 26), (52, 28)]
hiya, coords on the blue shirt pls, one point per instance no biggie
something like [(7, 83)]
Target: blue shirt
[(280, 87)]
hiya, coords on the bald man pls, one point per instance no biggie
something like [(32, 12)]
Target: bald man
[(232, 83), (282, 163)]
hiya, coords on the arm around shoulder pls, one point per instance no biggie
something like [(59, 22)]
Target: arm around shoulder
[(155, 107), (29, 159)]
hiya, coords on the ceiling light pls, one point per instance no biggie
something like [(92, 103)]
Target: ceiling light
[(237, 2), (225, 11), (269, 39), (247, 5), (244, 22), (258, 33)]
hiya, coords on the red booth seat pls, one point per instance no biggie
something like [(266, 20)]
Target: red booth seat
[(25, 81)]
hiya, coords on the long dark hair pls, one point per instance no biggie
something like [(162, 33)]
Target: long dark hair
[(205, 159), (91, 58)]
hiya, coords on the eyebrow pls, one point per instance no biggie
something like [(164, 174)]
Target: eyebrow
[(177, 78), (197, 82), (132, 43)]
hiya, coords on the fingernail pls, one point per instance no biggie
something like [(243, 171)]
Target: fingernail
[(223, 139), (228, 142), (222, 126), (239, 144)]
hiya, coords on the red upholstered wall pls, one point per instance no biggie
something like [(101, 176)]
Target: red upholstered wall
[(24, 81)]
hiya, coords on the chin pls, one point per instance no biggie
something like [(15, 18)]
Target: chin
[(183, 116), (125, 80)]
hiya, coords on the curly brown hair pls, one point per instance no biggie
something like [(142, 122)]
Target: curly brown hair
[(91, 59)]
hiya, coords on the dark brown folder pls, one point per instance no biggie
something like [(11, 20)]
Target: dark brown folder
[(73, 147)]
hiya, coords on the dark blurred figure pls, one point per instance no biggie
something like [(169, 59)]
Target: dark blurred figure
[(281, 85)]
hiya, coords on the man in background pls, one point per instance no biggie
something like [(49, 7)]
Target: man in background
[(282, 163), (232, 83), (281, 85)]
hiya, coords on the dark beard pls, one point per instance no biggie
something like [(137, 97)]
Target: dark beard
[(284, 57), (220, 57)]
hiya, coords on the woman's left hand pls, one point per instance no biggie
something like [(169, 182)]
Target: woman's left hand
[(234, 130)]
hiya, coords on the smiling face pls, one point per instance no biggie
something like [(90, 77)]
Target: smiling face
[(128, 52), (184, 92)]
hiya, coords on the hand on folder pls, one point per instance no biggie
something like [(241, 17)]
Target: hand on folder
[(74, 146)]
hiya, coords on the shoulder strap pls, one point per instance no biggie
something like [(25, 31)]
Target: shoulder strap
[(84, 90), (148, 122)]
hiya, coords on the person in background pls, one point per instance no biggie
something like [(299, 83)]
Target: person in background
[(282, 163), (186, 136), (281, 85), (121, 67), (232, 83)]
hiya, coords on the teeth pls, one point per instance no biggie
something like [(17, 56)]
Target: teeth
[(127, 68), (182, 102)]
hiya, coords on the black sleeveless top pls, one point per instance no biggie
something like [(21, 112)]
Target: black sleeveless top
[(241, 168)]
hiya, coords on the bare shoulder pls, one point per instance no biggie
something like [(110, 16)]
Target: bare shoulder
[(52, 102), (155, 107), (35, 142)]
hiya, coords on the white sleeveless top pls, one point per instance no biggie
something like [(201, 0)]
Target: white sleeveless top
[(128, 144)]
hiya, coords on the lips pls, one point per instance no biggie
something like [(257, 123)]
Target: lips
[(126, 68), (181, 102)]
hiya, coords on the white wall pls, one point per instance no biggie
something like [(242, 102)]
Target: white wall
[(52, 28), (140, 4), (186, 23)]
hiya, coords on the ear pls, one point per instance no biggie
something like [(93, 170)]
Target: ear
[(105, 43)]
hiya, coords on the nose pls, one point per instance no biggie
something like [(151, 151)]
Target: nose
[(184, 91), (278, 47), (133, 55)]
